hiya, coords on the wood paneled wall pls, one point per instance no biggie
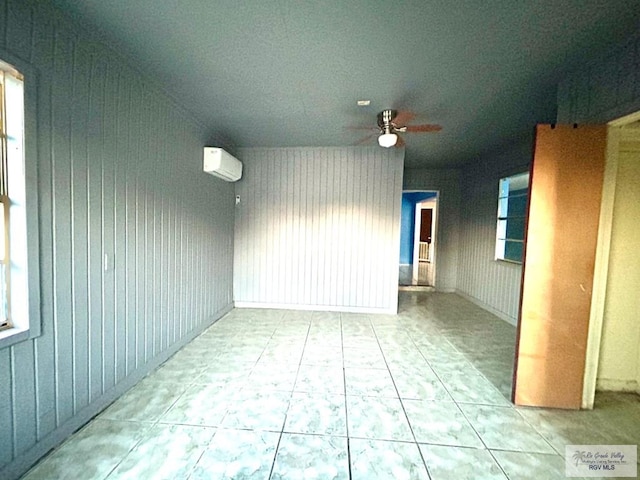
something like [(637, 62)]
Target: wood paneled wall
[(447, 183), (319, 228), (120, 175), (494, 285), (602, 88)]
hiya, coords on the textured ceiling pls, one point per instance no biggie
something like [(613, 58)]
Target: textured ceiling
[(288, 73)]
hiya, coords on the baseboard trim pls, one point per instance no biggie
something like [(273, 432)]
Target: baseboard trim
[(24, 462), (318, 308), (488, 308), (614, 385)]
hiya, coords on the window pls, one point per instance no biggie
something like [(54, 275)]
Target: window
[(512, 217), (11, 152), (19, 259)]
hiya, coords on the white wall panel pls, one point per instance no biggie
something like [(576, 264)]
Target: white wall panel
[(494, 285), (602, 88), (119, 174), (447, 183), (318, 228)]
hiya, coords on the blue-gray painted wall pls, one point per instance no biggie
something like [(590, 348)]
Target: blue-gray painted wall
[(319, 227), (492, 284), (408, 223), (604, 87), (119, 173), (447, 183)]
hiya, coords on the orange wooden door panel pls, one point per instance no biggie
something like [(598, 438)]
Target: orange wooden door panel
[(564, 206)]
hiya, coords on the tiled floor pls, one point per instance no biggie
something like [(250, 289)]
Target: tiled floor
[(302, 395)]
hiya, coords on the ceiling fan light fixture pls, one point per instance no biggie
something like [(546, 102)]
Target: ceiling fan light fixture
[(387, 140)]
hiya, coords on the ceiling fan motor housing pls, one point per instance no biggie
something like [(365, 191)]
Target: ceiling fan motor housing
[(385, 119)]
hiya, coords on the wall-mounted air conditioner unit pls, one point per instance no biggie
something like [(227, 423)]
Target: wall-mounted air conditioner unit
[(222, 164)]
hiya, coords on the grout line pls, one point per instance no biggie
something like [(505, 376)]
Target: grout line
[(455, 402), (275, 455), (498, 464), (415, 440), (284, 422), (346, 410), (380, 332)]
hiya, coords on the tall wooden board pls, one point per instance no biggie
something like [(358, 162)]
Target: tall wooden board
[(565, 192)]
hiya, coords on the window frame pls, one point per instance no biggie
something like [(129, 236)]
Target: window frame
[(502, 223), (24, 286), (5, 251)]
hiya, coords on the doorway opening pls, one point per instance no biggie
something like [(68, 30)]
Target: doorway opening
[(613, 346), (418, 238), (564, 375)]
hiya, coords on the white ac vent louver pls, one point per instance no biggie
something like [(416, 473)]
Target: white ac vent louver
[(222, 164)]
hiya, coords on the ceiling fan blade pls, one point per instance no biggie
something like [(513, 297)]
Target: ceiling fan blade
[(424, 128), (403, 117), (366, 139), (363, 127), (400, 142)]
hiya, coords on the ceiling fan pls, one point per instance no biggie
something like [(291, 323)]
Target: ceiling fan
[(391, 122)]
